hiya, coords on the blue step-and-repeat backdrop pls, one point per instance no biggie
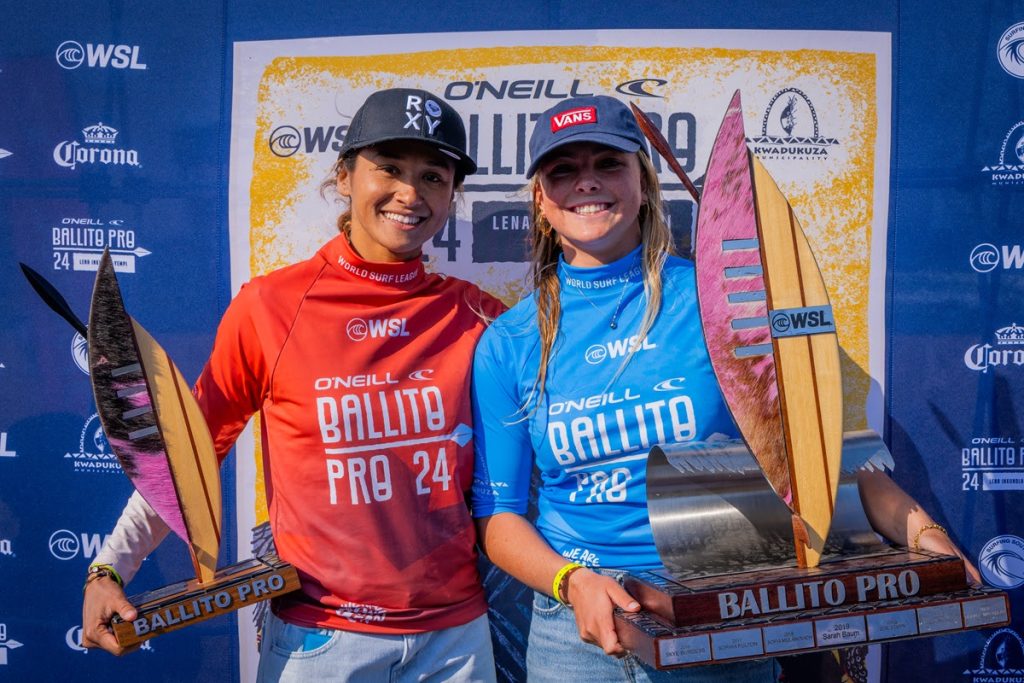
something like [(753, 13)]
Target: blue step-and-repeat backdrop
[(190, 139)]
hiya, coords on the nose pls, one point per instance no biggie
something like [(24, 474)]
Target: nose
[(408, 193), (586, 180)]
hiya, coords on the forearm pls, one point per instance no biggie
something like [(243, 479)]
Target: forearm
[(513, 544), (137, 533)]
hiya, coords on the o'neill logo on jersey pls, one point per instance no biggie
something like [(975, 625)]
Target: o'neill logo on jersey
[(359, 329), (573, 117)]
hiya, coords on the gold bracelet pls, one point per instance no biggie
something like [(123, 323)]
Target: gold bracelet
[(916, 545), (561, 582)]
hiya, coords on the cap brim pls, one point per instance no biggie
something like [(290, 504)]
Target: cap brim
[(623, 144), (462, 161)]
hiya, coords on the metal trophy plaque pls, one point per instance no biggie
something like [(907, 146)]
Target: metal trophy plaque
[(160, 437), (765, 545)]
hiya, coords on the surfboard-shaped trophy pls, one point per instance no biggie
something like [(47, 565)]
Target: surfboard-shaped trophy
[(155, 427), (766, 546)]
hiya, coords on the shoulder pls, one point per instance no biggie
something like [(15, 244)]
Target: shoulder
[(478, 300), (285, 286)]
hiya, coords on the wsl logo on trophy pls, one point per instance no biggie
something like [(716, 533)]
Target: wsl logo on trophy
[(154, 426), (766, 547)]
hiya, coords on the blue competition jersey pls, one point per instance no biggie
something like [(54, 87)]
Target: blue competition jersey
[(590, 433)]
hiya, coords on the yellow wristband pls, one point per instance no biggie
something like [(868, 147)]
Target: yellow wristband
[(97, 571), (562, 576), (916, 545)]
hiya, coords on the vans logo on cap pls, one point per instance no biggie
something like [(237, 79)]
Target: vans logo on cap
[(416, 117), (573, 117)]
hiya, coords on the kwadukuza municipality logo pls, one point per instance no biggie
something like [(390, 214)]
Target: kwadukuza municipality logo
[(1010, 50), (1009, 170), (1001, 659), (790, 129)]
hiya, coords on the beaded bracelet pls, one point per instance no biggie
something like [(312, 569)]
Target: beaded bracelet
[(561, 582), (98, 571), (916, 545)]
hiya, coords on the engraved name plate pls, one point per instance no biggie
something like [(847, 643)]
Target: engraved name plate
[(740, 643), (840, 631), (985, 611), (895, 624), (939, 618), (684, 650), (786, 637)]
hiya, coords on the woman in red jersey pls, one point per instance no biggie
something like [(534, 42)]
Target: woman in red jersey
[(358, 362)]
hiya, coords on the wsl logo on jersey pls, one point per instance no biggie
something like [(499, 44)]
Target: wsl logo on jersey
[(1009, 170), (790, 129), (986, 257), (1008, 350), (359, 329), (618, 348), (285, 141), (1001, 660), (98, 146), (71, 55)]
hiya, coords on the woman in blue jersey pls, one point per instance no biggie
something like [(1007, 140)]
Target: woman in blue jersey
[(605, 359)]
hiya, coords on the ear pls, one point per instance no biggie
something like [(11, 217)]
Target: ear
[(344, 182)]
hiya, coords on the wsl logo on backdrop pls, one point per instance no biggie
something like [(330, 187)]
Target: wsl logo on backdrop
[(790, 129), (285, 141), (1010, 50), (94, 453), (987, 257), (1008, 350), (98, 146), (1001, 562), (66, 545), (71, 55), (1009, 170), (1001, 659)]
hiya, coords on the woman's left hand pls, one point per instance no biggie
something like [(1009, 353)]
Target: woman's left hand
[(593, 598)]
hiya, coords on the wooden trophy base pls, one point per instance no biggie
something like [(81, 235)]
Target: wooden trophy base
[(189, 602), (888, 595), (665, 647)]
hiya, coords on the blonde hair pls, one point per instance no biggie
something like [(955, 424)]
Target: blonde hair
[(656, 238)]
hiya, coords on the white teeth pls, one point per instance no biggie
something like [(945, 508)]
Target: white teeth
[(588, 209), (408, 220)]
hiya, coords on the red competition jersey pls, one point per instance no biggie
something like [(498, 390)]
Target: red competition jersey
[(361, 372)]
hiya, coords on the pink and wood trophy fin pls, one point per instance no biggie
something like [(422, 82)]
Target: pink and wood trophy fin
[(154, 424), (770, 333)]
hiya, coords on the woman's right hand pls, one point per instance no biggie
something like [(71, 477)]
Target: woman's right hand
[(102, 600), (593, 598)]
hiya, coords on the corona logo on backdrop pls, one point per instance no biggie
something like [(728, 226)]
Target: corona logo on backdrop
[(1010, 50), (1001, 659), (1009, 170), (790, 129), (97, 147), (1008, 350), (71, 55)]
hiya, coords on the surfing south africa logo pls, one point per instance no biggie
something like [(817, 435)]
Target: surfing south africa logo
[(790, 129)]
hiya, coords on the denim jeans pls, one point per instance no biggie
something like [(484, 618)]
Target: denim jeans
[(296, 654), (556, 654)]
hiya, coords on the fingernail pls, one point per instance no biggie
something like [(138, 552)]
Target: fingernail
[(633, 606)]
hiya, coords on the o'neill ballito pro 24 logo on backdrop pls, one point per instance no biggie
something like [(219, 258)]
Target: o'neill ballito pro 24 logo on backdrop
[(71, 54), (5, 153), (1010, 50), (94, 453), (6, 644), (1001, 660), (986, 257), (1007, 351), (790, 129), (992, 463), (78, 244), (98, 146), (1002, 562), (1009, 170)]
